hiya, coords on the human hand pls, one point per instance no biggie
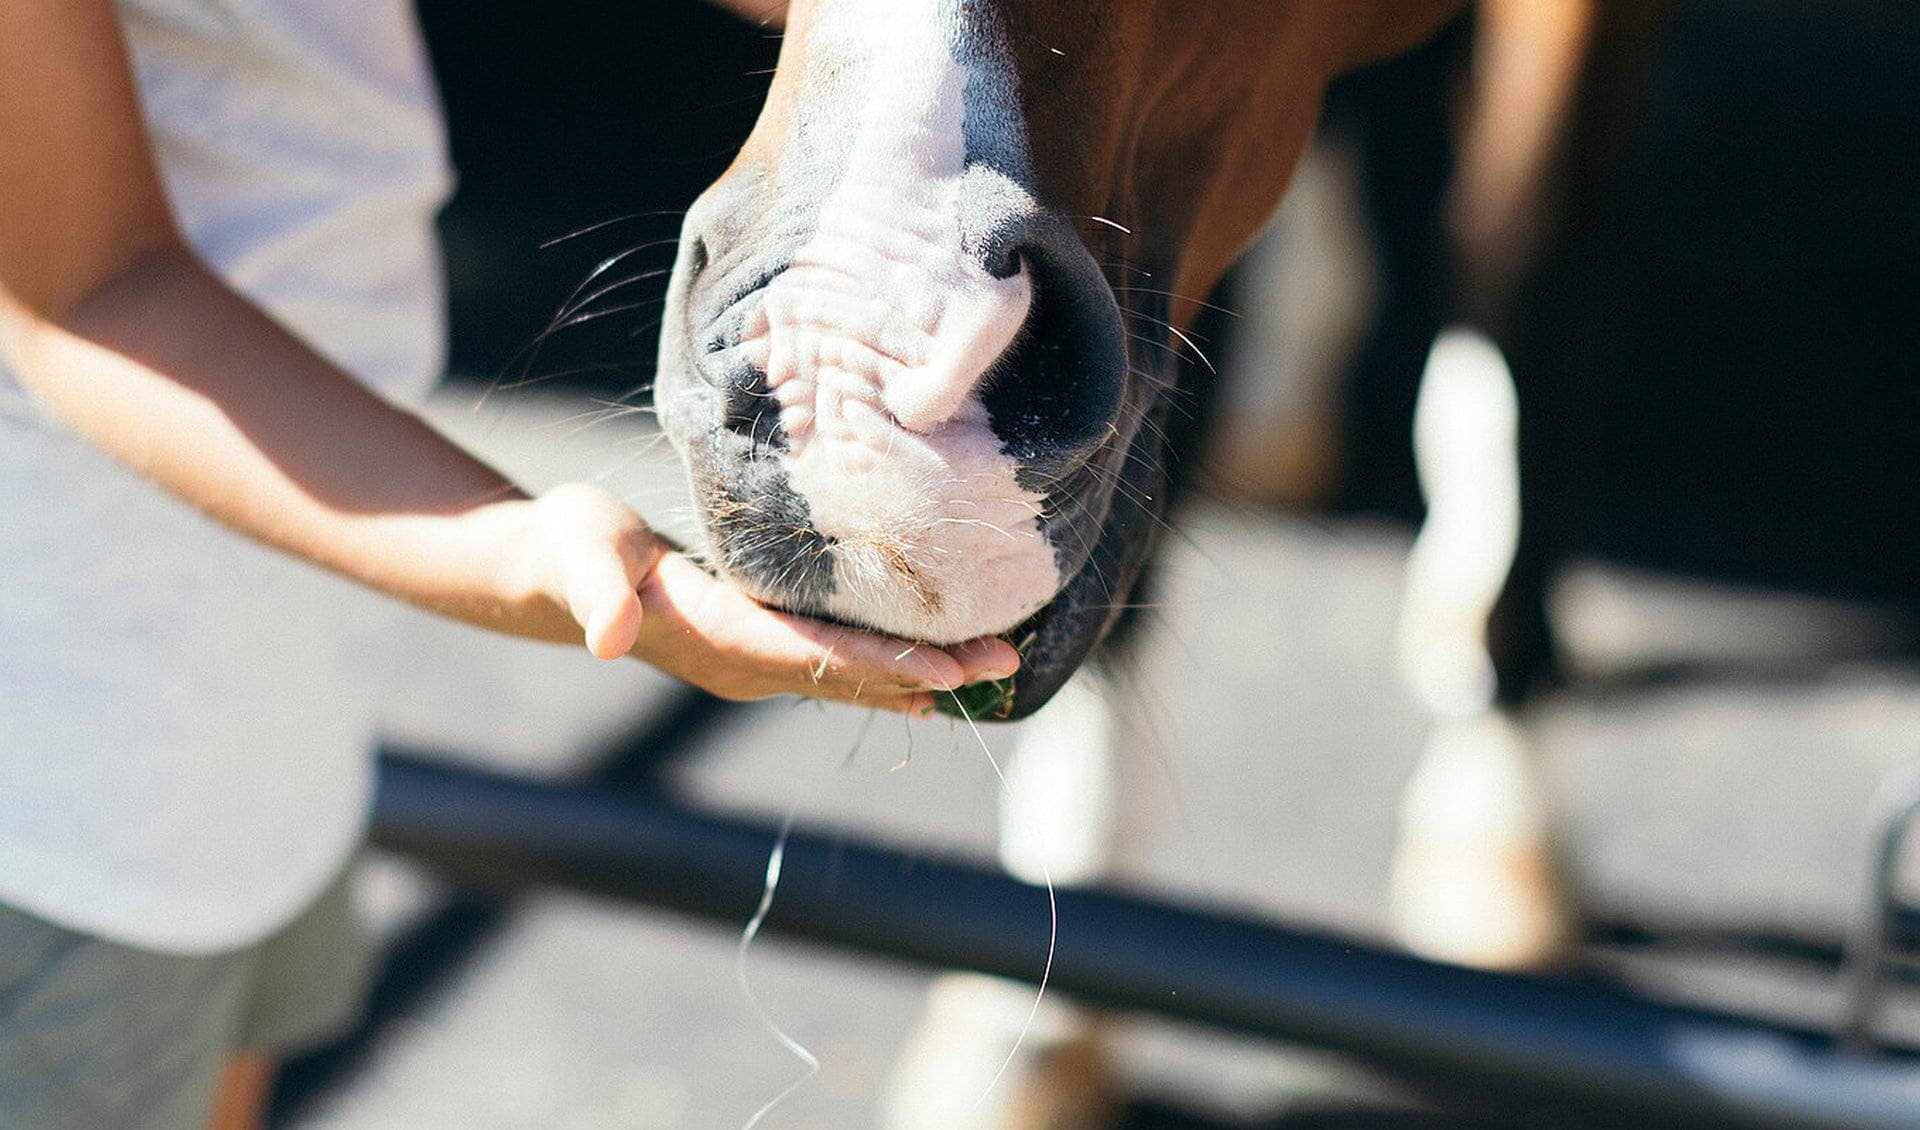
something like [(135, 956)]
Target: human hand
[(632, 594)]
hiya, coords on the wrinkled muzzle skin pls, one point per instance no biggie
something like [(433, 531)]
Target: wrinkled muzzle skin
[(921, 339)]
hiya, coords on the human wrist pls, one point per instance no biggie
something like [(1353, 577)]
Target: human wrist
[(476, 565)]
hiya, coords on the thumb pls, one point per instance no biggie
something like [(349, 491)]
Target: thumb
[(608, 609), (605, 552)]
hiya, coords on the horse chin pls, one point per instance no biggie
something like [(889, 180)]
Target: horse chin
[(769, 539), (1053, 644)]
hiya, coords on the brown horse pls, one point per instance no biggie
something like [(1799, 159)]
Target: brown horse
[(927, 338), (922, 340)]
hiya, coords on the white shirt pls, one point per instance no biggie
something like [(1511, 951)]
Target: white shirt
[(185, 716)]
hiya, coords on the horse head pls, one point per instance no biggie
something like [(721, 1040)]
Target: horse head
[(921, 338)]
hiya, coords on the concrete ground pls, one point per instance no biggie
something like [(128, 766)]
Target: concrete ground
[(1268, 743)]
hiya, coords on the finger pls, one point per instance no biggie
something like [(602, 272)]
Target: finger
[(846, 655), (986, 658), (597, 550), (916, 704), (613, 629), (601, 573), (776, 652)]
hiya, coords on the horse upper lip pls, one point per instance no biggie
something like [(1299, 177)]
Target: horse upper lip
[(735, 299)]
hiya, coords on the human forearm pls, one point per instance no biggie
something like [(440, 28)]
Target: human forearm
[(169, 371), (174, 374)]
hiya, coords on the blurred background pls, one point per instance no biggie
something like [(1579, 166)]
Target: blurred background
[(1708, 287)]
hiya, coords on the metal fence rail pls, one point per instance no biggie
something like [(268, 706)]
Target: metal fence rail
[(1544, 1052)]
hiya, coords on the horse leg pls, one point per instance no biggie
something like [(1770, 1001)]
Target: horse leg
[(1555, 87), (1473, 878), (1056, 823)]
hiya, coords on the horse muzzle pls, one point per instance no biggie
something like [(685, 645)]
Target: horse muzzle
[(898, 409)]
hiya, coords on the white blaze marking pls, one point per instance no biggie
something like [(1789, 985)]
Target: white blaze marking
[(875, 341)]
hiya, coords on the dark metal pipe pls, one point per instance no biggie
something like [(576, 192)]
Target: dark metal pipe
[(1886, 933), (1547, 1052)]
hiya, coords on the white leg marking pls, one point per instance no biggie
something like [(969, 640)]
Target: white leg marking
[(1056, 814), (1055, 817), (1473, 876), (1463, 439)]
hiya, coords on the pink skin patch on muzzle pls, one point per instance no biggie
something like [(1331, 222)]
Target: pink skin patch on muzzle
[(875, 342)]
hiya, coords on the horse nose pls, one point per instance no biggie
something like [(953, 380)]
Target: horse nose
[(972, 318), (890, 306), (1054, 394)]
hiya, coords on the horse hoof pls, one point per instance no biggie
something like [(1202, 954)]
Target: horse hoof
[(1475, 879), (962, 1071), (1070, 1087), (1499, 909)]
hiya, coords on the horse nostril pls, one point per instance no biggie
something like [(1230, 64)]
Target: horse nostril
[(1054, 394)]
